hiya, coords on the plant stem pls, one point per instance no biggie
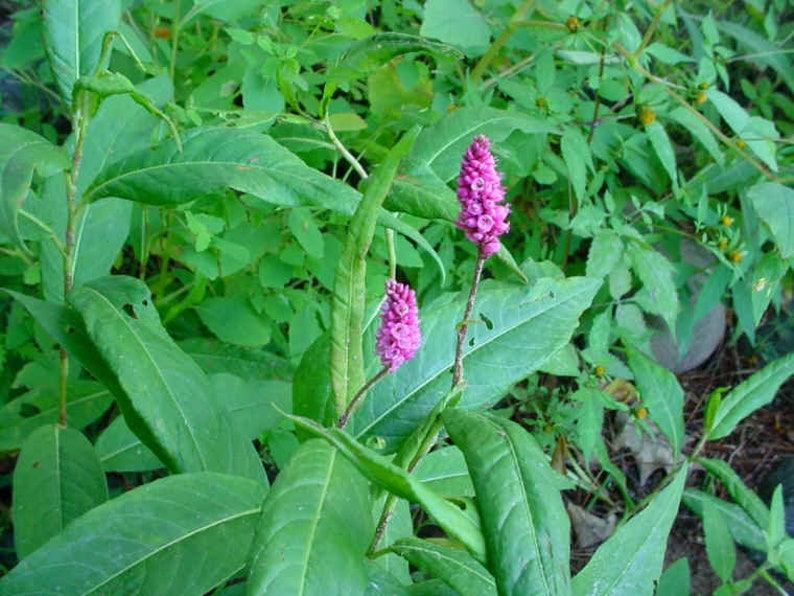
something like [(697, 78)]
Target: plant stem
[(354, 403), (500, 41), (177, 25), (651, 28), (463, 327)]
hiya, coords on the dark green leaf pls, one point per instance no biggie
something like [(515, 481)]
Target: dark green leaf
[(444, 470), (214, 356), (456, 22), (74, 31), (314, 529), (234, 320), (527, 531), (187, 429), (312, 396), (57, 479), (454, 566), (119, 450), (630, 561), (774, 204), (178, 536)]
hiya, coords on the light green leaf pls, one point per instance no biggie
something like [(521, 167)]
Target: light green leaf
[(656, 273), (119, 450), (454, 566), (444, 470), (57, 478), (661, 392), (578, 158), (525, 327), (743, 529), (605, 253), (663, 148), (762, 51), (234, 320), (527, 531), (349, 296), (630, 561), (166, 395), (675, 580), (746, 498), (698, 129), (753, 393), (214, 356), (458, 23), (719, 544), (217, 158), (774, 204), (21, 153), (178, 536), (314, 529), (74, 31)]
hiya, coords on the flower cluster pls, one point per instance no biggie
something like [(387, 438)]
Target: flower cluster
[(399, 336), (480, 193)]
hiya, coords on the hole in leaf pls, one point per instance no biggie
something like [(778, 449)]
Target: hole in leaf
[(487, 321), (128, 308), (27, 410)]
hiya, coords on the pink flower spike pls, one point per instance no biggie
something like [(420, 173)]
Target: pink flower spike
[(399, 336), (480, 193)]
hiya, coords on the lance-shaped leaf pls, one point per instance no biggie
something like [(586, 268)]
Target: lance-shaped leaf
[(380, 470), (520, 328), (119, 450), (349, 299), (742, 527), (162, 386), (314, 529), (216, 158), (744, 496), (527, 531), (74, 31), (661, 392), (57, 478), (631, 560), (178, 536), (751, 394), (454, 566), (21, 153)]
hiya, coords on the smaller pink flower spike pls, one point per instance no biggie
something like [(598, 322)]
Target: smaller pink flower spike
[(399, 336), (480, 193)]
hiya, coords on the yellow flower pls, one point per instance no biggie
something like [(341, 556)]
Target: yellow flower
[(572, 23), (646, 115)]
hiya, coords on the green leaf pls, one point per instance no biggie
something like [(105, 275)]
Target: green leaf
[(57, 478), (518, 495), (74, 32), (119, 450), (217, 158), (661, 392), (234, 320), (719, 544), (417, 190), (305, 230), (178, 536), (349, 296), (314, 529), (774, 204), (253, 404), (381, 471), (163, 388), (762, 51), (605, 253), (444, 470), (21, 153), (86, 402), (700, 131), (578, 159), (663, 148), (312, 396), (675, 579), (630, 561), (656, 273), (456, 567), (390, 221), (745, 497), (526, 326), (441, 146), (214, 356), (743, 529), (753, 393), (458, 23)]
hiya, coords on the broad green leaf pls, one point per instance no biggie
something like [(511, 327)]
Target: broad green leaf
[(663, 148), (762, 51), (444, 470), (314, 529), (381, 471), (21, 153), (119, 450), (57, 478), (719, 544), (417, 190), (656, 273), (305, 230), (214, 356), (630, 561), (86, 401), (526, 528), (349, 297), (382, 583), (661, 392), (700, 131), (605, 253), (312, 396), (578, 158), (456, 22), (745, 497), (253, 404), (234, 320), (177, 536), (441, 146), (753, 393), (774, 204), (743, 529), (184, 425), (759, 134), (217, 158), (675, 580), (454, 566), (525, 327), (74, 31)]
